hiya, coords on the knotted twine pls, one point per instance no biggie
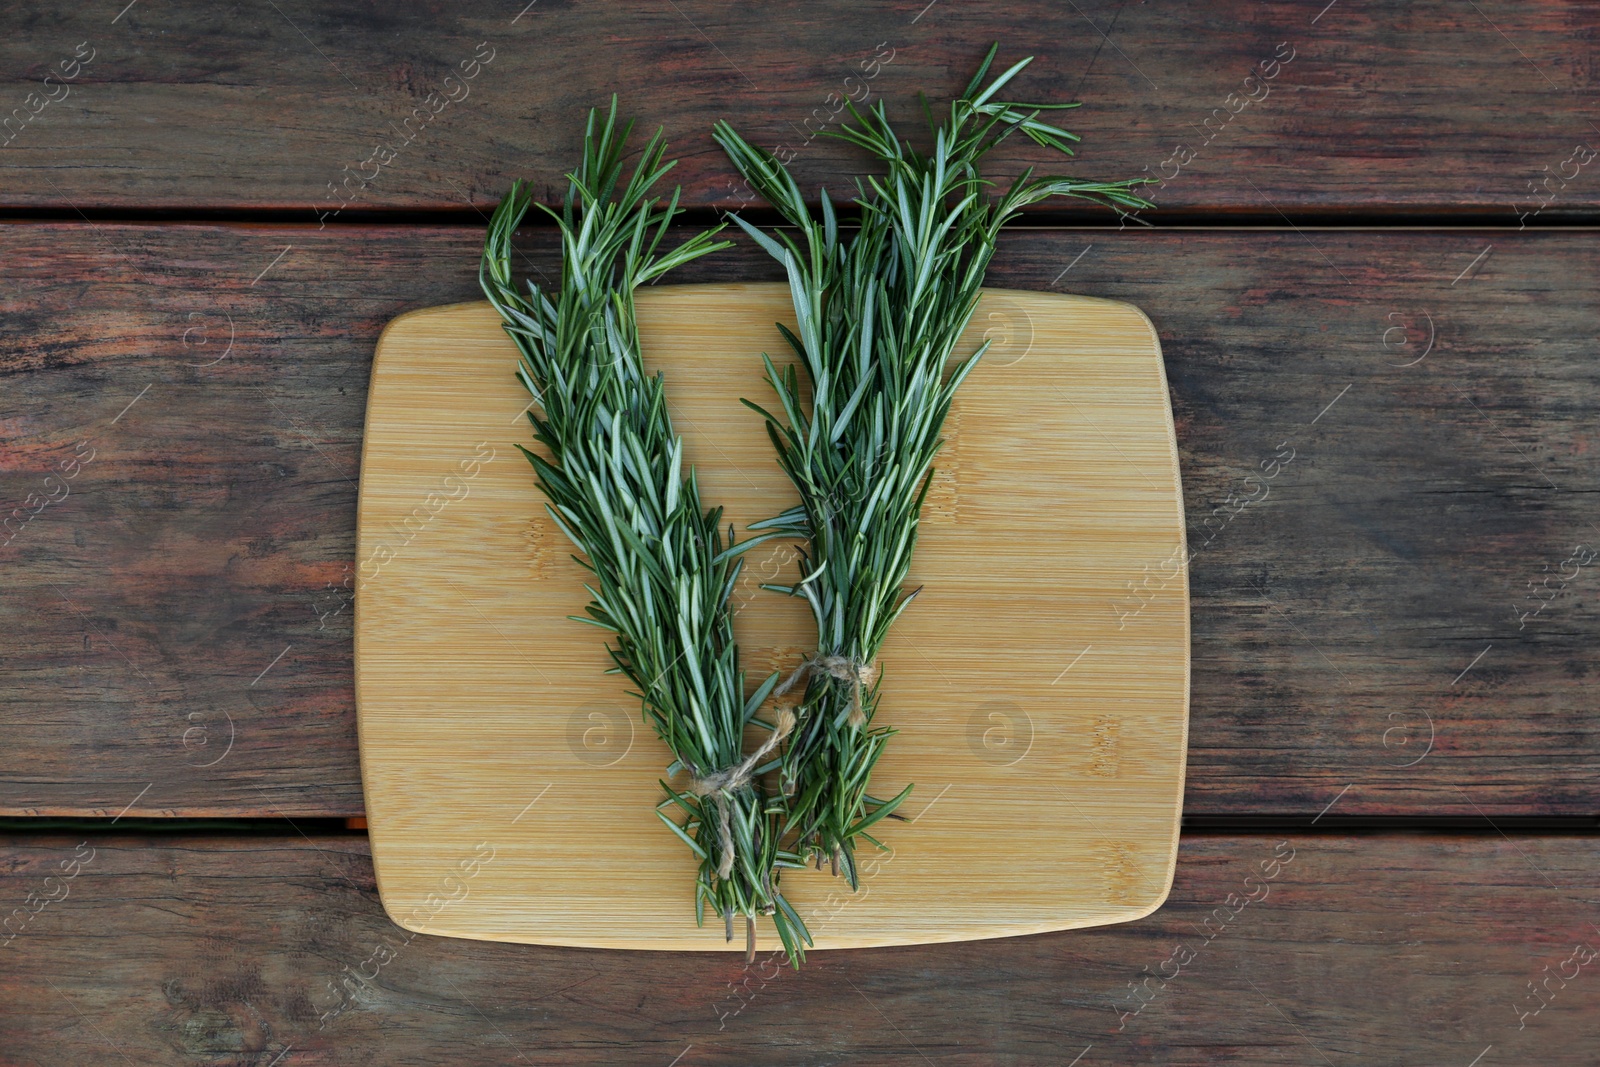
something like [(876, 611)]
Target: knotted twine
[(840, 668), (717, 783)]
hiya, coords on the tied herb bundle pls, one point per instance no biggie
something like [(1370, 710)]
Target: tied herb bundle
[(879, 313), (614, 479)]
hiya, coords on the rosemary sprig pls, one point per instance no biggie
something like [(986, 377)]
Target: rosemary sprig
[(878, 313), (612, 470)]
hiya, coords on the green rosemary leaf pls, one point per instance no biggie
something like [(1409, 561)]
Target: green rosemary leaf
[(772, 247), (789, 946), (673, 798), (885, 809), (691, 842), (983, 69), (795, 928), (592, 622), (759, 697)]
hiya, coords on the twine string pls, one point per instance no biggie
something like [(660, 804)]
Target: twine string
[(719, 783), (840, 668)]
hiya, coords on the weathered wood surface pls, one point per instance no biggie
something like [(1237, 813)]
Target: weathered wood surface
[(1390, 950), (1377, 109), (1403, 611)]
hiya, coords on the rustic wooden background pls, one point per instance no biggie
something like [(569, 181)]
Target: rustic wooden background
[(1385, 259)]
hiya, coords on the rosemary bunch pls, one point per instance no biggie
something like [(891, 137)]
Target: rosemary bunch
[(879, 312), (613, 474)]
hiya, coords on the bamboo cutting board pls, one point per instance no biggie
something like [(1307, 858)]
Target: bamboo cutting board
[(1040, 681)]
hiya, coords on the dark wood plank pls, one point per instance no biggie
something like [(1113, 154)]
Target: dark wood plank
[(1383, 108), (1396, 949), (1366, 624)]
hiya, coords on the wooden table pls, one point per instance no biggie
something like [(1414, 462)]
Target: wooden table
[(1383, 259)]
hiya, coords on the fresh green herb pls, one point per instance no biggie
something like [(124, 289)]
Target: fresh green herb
[(879, 312), (612, 469)]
